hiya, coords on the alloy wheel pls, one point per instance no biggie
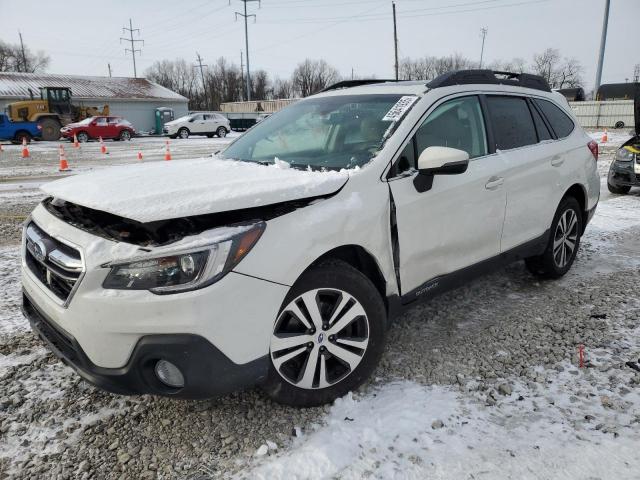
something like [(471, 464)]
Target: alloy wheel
[(319, 338), (565, 238)]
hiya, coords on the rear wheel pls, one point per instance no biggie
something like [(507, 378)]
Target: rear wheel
[(328, 337), (183, 133), (564, 241), (50, 128), (20, 136), (619, 124), (221, 132)]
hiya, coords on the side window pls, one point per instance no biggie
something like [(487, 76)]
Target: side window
[(197, 118), (560, 121), (541, 127), (102, 121), (512, 122), (457, 123), (406, 161)]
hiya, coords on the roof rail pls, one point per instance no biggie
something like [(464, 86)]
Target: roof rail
[(355, 83), (491, 77)]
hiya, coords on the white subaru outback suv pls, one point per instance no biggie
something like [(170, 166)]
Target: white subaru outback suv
[(199, 123), (281, 261)]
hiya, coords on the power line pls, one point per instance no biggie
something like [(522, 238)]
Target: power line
[(246, 40), (133, 49), (483, 34)]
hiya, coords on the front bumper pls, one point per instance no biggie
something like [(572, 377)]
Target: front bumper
[(206, 370), (625, 173)]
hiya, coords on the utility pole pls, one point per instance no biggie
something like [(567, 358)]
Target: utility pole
[(483, 33), (636, 73), (109, 67), (204, 85), (246, 41), (133, 49), (241, 68), (603, 41), (395, 39), (24, 57)]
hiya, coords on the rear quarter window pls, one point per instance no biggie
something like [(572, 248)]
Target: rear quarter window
[(560, 122), (512, 122)]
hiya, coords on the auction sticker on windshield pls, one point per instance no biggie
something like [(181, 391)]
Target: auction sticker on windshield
[(400, 108)]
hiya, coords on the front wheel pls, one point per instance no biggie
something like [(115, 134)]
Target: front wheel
[(328, 337), (564, 241), (221, 132), (82, 137), (125, 135), (183, 133)]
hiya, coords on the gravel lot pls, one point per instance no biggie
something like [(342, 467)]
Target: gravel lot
[(484, 365)]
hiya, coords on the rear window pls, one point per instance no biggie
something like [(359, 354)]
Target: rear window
[(512, 123), (560, 121)]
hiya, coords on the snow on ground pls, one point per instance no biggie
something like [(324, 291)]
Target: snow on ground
[(11, 319), (570, 423), (615, 137)]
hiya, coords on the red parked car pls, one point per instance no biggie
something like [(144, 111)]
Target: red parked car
[(116, 128)]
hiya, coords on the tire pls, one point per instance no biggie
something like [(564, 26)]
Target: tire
[(50, 128), (618, 189), (221, 132), (559, 255), (183, 133), (619, 124), (19, 136), (326, 286), (125, 135), (82, 137)]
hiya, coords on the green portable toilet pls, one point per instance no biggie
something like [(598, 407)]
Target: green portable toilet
[(163, 115)]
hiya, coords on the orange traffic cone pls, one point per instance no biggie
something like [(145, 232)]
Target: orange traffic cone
[(167, 152), (64, 166), (76, 144), (103, 147), (25, 149), (139, 155), (605, 137)]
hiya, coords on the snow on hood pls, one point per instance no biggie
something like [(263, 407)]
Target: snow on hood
[(164, 190)]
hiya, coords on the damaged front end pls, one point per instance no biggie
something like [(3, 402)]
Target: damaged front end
[(163, 232)]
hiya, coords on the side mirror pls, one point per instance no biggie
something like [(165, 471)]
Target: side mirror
[(439, 161)]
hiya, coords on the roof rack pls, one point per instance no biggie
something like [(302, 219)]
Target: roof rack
[(491, 77), (355, 83)]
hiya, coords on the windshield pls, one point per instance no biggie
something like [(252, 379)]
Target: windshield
[(86, 121), (323, 133), (183, 119)]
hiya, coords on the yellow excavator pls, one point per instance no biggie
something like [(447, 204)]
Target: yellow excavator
[(52, 111)]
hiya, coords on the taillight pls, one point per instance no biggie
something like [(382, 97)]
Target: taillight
[(593, 146)]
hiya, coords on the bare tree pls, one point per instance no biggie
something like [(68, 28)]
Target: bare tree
[(12, 60), (429, 67), (559, 72), (259, 85), (311, 76), (282, 88)]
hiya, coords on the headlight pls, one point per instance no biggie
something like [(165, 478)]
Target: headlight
[(184, 270), (624, 155)]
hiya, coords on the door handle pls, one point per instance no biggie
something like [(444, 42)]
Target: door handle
[(557, 161), (494, 183)]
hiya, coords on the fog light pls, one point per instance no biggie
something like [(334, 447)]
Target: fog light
[(169, 374)]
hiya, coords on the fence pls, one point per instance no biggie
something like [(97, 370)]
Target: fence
[(259, 106), (609, 114)]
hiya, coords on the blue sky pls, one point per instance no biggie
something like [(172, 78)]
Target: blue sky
[(83, 36)]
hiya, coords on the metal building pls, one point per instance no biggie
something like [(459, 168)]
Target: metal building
[(135, 99)]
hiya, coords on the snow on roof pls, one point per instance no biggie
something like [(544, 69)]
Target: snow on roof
[(17, 85)]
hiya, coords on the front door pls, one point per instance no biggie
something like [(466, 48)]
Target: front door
[(458, 222)]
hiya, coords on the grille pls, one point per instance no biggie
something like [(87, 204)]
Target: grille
[(57, 265)]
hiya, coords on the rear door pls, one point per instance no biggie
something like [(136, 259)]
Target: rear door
[(458, 222), (524, 141)]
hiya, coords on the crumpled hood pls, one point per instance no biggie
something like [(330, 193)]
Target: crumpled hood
[(165, 190)]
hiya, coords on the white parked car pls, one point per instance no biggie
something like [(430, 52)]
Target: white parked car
[(282, 261), (201, 123)]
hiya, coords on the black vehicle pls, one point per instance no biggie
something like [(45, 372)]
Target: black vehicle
[(573, 94), (624, 172)]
